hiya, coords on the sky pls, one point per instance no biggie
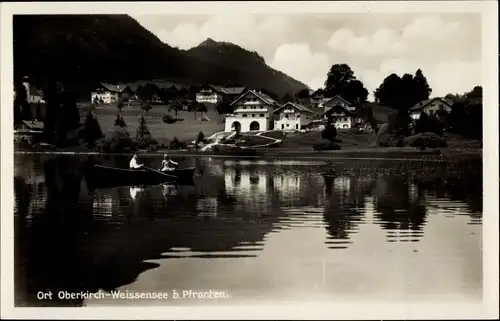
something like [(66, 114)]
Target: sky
[(447, 47)]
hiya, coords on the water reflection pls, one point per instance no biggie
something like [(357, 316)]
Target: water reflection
[(71, 237)]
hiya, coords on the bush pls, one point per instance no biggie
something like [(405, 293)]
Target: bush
[(168, 119), (391, 140), (426, 140), (326, 144), (148, 143), (117, 140)]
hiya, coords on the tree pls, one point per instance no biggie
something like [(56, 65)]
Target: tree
[(337, 79), (119, 121), (422, 88), (287, 98), (147, 92), (92, 129), (302, 94), (341, 81), (200, 138), (329, 133), (142, 129), (355, 92), (39, 112), (120, 105), (175, 107), (202, 109), (20, 100), (401, 93), (224, 107)]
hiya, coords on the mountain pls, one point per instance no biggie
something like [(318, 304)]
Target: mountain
[(83, 50)]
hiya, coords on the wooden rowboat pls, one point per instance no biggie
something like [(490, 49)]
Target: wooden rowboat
[(102, 175)]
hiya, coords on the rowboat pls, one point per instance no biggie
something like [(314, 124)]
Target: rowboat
[(102, 175)]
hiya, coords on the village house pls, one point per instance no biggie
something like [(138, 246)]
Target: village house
[(343, 113), (253, 111), (28, 131), (209, 94), (215, 94), (292, 116), (317, 98), (109, 93), (430, 107)]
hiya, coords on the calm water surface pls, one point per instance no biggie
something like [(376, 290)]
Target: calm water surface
[(256, 231)]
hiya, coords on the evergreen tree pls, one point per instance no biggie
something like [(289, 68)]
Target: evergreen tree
[(142, 129), (92, 129), (20, 100)]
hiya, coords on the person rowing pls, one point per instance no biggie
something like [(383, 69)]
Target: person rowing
[(168, 164), (135, 163)]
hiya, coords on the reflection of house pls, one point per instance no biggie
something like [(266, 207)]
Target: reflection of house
[(28, 131), (103, 205), (253, 111), (207, 206), (430, 107), (292, 116), (214, 94), (109, 93)]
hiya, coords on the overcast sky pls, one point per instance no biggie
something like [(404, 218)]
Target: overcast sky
[(447, 47)]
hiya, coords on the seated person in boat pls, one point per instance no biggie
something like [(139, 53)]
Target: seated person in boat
[(168, 164), (135, 163)]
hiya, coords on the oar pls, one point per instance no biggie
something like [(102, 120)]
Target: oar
[(154, 170)]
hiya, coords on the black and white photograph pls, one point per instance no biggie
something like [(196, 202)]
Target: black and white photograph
[(250, 158)]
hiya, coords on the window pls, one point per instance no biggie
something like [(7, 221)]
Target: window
[(261, 115), (282, 126), (287, 125), (286, 116), (253, 115), (296, 126), (345, 126), (298, 116), (244, 115)]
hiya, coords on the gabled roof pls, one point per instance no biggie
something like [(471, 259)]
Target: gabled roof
[(265, 98), (36, 125), (330, 99), (424, 103), (297, 106), (233, 90), (114, 88), (339, 108)]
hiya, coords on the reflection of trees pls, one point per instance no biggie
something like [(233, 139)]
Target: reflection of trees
[(48, 250), (344, 202), (399, 204)]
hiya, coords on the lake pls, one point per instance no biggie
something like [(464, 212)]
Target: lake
[(249, 231)]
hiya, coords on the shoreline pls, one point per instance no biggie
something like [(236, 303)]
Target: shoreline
[(353, 154)]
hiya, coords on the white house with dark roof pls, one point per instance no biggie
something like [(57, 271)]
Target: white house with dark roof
[(253, 111), (344, 114), (430, 107), (109, 93), (292, 116), (214, 94)]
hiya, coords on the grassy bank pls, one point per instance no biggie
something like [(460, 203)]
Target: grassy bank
[(185, 129)]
